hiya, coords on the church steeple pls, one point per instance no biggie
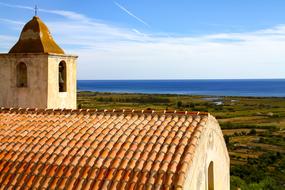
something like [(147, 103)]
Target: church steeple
[(36, 38), (36, 73)]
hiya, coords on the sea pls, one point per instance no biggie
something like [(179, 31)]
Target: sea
[(233, 87)]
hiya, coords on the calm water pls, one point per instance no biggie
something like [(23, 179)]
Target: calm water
[(268, 88)]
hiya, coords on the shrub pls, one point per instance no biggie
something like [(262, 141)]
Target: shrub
[(227, 139), (237, 182), (252, 132), (179, 104)]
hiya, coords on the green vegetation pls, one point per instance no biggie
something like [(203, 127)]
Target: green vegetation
[(253, 127)]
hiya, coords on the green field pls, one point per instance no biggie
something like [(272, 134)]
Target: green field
[(254, 129)]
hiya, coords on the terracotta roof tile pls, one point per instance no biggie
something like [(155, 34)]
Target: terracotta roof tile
[(63, 149)]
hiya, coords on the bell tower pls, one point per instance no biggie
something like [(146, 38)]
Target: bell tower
[(36, 73)]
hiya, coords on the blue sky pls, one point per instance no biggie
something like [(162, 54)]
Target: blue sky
[(161, 39)]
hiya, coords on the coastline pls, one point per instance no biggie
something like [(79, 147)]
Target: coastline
[(175, 94), (221, 87)]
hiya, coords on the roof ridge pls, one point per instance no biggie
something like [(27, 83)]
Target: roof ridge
[(39, 33), (92, 111)]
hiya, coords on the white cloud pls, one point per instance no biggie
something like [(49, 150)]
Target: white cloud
[(16, 6), (68, 14), (107, 51), (9, 21), (6, 41), (244, 55)]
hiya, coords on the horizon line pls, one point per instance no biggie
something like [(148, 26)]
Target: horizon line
[(185, 79)]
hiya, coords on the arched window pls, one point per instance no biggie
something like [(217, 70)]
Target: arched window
[(211, 176), (62, 76), (22, 75)]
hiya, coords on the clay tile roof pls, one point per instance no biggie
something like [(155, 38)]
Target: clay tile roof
[(36, 38), (89, 149)]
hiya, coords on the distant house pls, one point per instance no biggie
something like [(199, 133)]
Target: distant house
[(46, 143)]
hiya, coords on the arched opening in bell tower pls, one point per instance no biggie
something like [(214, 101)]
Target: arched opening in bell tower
[(62, 77), (22, 75)]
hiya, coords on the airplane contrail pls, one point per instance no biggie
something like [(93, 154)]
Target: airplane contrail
[(131, 14)]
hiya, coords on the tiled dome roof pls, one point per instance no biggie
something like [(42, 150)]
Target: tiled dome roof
[(82, 149), (36, 38)]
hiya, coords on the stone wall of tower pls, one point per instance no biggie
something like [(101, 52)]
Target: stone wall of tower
[(42, 90), (32, 96), (58, 99)]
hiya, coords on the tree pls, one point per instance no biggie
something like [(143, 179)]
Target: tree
[(227, 139), (179, 104)]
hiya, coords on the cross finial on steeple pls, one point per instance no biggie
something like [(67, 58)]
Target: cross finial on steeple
[(36, 10)]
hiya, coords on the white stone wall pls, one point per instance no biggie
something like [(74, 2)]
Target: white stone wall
[(35, 94), (211, 147), (42, 90), (58, 99)]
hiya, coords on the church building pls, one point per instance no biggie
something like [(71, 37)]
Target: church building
[(46, 143)]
